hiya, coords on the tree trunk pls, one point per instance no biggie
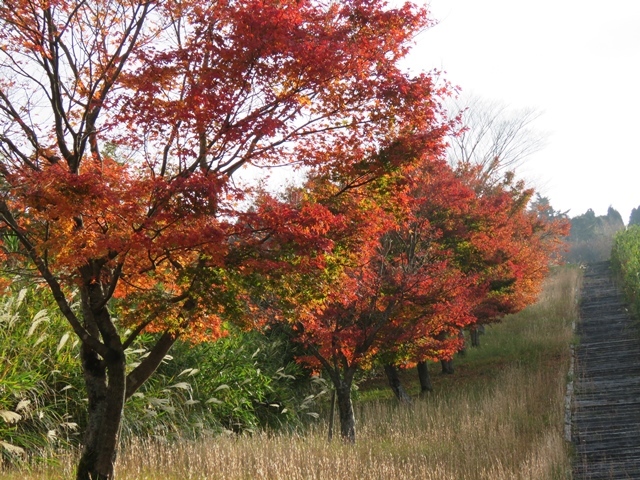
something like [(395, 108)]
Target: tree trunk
[(396, 385), (108, 387), (425, 379), (447, 366), (463, 349), (106, 383), (475, 335), (345, 407)]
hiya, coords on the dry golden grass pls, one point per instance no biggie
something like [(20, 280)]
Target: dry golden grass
[(509, 427)]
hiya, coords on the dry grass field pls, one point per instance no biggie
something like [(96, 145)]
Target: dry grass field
[(500, 417)]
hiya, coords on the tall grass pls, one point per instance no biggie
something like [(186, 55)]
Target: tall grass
[(502, 420), (36, 378)]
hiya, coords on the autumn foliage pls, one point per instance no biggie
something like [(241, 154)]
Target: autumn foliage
[(411, 258), (131, 137)]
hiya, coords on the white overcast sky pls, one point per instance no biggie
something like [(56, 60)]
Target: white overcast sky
[(578, 61)]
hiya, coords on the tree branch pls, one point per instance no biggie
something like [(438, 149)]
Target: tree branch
[(56, 290)]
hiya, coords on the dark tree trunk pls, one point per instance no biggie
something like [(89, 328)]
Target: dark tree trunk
[(106, 403), (105, 381), (463, 349), (425, 379), (345, 407), (475, 335), (108, 387), (447, 366), (396, 385)]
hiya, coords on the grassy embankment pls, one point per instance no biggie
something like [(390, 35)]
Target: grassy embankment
[(499, 417)]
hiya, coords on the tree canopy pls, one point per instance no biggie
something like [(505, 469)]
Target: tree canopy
[(133, 137), (124, 130)]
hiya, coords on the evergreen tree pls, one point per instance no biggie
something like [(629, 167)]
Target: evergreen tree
[(614, 219), (542, 206), (634, 219)]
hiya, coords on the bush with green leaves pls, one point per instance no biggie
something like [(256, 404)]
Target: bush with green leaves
[(243, 382), (625, 259), (237, 384)]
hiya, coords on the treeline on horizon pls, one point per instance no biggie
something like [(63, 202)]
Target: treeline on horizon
[(591, 237)]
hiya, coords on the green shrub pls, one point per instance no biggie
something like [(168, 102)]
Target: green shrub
[(245, 381), (625, 259)]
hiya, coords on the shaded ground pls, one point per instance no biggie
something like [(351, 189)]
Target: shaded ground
[(606, 405)]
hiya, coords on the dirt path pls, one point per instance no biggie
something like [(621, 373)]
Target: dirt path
[(606, 404)]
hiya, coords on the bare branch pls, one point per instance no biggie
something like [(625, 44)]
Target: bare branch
[(494, 138)]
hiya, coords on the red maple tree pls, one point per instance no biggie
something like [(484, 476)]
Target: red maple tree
[(520, 246), (507, 249)]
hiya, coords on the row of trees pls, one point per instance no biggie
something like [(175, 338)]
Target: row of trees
[(125, 127), (416, 256)]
